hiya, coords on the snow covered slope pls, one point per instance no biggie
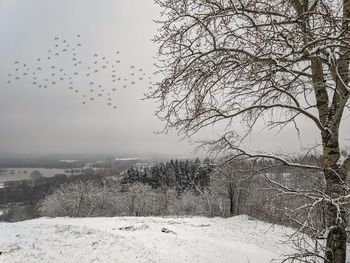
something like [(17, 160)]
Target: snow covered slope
[(142, 239)]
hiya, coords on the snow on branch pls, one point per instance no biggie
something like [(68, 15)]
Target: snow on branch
[(238, 152)]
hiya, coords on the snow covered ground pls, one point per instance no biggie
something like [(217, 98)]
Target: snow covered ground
[(143, 239)]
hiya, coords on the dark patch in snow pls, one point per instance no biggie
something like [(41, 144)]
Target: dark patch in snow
[(168, 231), (133, 228)]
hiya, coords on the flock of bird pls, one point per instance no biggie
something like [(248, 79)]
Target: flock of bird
[(95, 77)]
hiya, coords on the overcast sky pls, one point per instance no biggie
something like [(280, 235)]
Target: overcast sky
[(54, 120)]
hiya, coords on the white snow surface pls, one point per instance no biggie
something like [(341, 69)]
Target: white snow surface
[(141, 239)]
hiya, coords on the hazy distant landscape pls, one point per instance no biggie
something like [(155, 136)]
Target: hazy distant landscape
[(20, 168)]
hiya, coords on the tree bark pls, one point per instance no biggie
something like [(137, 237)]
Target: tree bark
[(335, 215), (336, 239)]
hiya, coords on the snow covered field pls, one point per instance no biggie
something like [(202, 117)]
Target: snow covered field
[(138, 239)]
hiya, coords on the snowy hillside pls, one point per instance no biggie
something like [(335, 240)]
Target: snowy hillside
[(131, 239)]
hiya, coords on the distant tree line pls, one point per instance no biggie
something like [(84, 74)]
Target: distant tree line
[(32, 190), (187, 187), (38, 163), (181, 175)]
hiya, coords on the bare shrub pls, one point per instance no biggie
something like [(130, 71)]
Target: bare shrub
[(79, 199)]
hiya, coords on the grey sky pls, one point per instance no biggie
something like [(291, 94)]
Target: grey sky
[(54, 120)]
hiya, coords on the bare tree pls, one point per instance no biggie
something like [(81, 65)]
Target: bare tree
[(81, 199), (280, 61), (233, 185), (140, 200), (36, 176)]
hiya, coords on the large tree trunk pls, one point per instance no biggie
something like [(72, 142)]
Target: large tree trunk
[(335, 215), (336, 239)]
